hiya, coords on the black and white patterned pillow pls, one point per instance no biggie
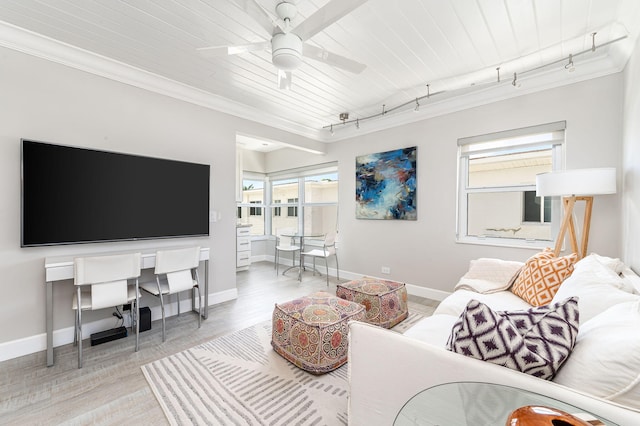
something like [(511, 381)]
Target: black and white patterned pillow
[(536, 341)]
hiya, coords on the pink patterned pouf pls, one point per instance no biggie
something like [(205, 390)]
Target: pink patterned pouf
[(311, 332), (385, 301)]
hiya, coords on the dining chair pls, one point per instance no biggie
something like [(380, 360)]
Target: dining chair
[(103, 282), (176, 271), (286, 243), (328, 249)]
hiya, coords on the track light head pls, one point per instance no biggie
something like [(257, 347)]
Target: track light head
[(331, 130), (417, 108), (515, 83), (570, 67)]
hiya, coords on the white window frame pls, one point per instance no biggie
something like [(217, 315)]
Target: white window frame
[(527, 138), (267, 206)]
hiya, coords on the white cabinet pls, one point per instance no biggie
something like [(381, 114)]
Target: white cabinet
[(243, 248)]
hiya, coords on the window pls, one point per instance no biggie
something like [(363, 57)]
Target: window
[(311, 196), (284, 189), (496, 193), (250, 210), (320, 203), (292, 211), (536, 209), (311, 204), (255, 211)]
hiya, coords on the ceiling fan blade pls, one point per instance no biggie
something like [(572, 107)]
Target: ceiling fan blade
[(255, 11), (325, 16), (213, 51), (338, 61), (284, 80)]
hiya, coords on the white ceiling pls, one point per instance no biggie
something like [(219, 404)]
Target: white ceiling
[(454, 46)]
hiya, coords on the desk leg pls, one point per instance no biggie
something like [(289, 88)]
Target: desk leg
[(49, 321), (205, 315)]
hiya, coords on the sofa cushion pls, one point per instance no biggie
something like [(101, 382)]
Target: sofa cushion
[(606, 359), (536, 341), (434, 330), (455, 303), (541, 277), (597, 286)]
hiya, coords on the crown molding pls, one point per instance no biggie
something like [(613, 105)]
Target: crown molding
[(37, 45), (34, 44)]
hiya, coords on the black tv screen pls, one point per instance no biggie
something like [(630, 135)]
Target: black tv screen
[(77, 195)]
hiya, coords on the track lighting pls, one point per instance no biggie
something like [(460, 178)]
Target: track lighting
[(415, 102), (570, 67)]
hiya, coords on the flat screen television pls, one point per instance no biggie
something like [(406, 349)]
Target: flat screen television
[(75, 195)]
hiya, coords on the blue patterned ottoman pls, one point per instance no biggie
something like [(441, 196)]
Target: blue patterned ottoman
[(311, 332), (384, 300)]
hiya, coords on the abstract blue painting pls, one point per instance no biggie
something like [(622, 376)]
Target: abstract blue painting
[(386, 185)]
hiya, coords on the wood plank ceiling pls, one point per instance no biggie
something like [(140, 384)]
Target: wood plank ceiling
[(405, 44)]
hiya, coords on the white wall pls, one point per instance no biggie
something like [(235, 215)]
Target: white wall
[(46, 101), (424, 252), (630, 214)]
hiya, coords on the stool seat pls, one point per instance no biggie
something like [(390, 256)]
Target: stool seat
[(311, 332), (384, 300)]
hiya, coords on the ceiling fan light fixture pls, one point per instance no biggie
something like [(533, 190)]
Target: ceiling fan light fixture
[(286, 51)]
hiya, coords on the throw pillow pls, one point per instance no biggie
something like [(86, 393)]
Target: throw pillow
[(541, 277), (536, 341), (596, 286)]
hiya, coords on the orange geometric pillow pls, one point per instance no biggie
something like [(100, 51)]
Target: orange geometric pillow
[(541, 277)]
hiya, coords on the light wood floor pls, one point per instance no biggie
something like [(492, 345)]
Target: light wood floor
[(110, 388)]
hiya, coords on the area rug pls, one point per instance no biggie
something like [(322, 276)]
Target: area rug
[(238, 379)]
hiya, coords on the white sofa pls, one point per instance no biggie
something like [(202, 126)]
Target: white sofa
[(602, 374)]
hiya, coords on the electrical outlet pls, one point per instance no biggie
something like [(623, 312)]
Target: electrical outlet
[(386, 270)]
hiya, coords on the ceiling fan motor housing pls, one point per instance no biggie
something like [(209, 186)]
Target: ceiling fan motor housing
[(286, 51)]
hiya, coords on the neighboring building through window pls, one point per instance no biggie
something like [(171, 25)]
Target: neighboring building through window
[(496, 194), (250, 210)]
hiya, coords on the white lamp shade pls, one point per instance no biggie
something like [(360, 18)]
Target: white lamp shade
[(577, 182)]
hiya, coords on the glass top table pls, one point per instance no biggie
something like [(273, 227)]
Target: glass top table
[(479, 404)]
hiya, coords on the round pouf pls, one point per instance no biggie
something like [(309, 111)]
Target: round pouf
[(311, 332), (384, 300)]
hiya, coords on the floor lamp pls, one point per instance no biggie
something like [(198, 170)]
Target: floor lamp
[(572, 186)]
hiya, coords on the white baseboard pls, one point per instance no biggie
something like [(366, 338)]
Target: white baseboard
[(64, 336), (416, 290)]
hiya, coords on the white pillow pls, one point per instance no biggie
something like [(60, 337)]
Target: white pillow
[(615, 264), (597, 286), (605, 361)]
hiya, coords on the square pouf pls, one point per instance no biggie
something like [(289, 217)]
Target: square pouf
[(311, 332), (385, 301)]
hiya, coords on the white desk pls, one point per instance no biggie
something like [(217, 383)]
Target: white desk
[(61, 268)]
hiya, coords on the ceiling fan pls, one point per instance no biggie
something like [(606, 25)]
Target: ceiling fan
[(287, 44)]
